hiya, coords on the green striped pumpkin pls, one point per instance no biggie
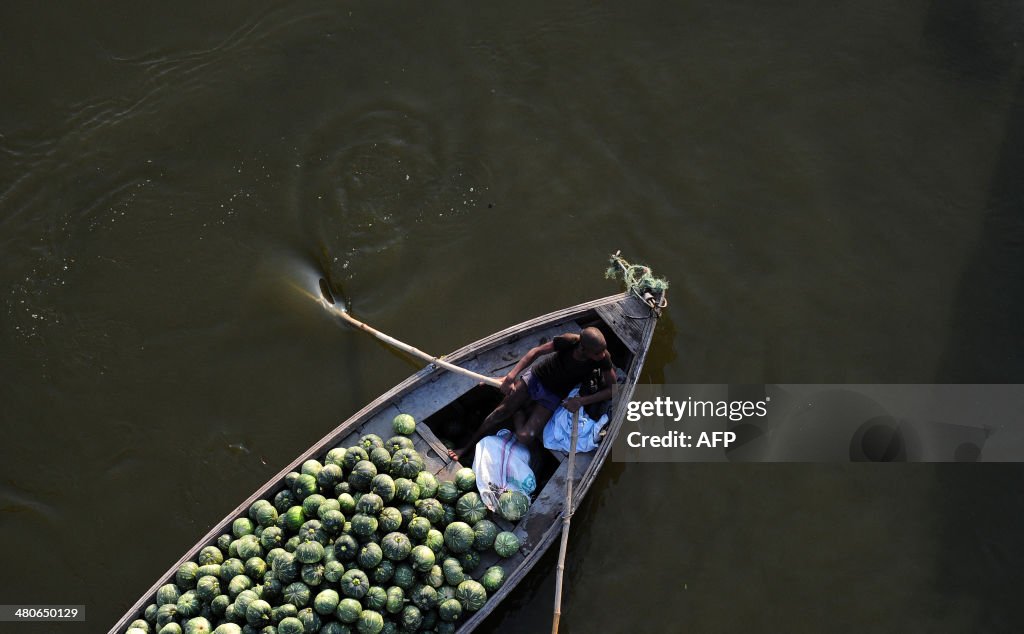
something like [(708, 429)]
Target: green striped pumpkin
[(369, 442), (370, 504), (258, 613), (431, 509), (470, 508), (346, 548), (354, 583), (363, 525), (450, 610), (376, 598), (330, 475), (185, 576), (506, 544), (370, 555), (452, 570), (294, 517), (348, 610), (513, 505), (333, 570), (336, 456), (484, 533), (396, 546), (395, 600), (383, 572), (418, 528), (458, 537), (427, 483), (381, 458), (189, 605), (168, 593), (390, 519), (383, 486), (406, 463), (311, 467), (210, 555), (404, 576), (434, 577), (313, 574), (362, 475), (237, 585), (370, 622), (309, 552), (326, 602), (242, 526), (290, 625), (469, 560), (396, 443), (404, 424), (493, 578), (424, 597), (406, 490), (197, 625), (297, 594), (465, 479), (411, 618), (447, 492), (471, 594), (305, 485), (311, 504), (422, 558), (354, 455), (207, 588)]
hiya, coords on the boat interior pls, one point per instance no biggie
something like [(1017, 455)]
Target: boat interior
[(451, 406), (455, 423)]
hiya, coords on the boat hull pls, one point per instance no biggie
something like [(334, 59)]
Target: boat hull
[(628, 324)]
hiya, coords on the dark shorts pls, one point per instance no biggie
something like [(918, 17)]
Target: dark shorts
[(539, 393)]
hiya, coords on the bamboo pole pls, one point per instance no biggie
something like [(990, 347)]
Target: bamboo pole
[(416, 352), (566, 518)]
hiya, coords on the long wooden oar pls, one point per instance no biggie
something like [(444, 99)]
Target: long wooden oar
[(566, 518), (328, 301)]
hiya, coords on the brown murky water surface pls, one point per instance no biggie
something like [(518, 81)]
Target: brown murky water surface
[(834, 193)]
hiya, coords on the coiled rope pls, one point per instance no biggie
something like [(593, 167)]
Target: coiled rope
[(639, 280)]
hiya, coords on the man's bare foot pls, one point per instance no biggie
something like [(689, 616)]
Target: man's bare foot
[(455, 453)]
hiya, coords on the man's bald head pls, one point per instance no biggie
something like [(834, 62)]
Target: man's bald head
[(593, 341)]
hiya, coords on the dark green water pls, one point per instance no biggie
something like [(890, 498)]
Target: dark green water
[(833, 191)]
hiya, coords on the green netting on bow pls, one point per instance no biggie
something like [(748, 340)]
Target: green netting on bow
[(637, 277)]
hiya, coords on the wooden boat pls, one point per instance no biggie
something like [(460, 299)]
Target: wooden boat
[(434, 397)]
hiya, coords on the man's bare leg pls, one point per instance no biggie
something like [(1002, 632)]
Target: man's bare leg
[(506, 409), (518, 419), (529, 431)]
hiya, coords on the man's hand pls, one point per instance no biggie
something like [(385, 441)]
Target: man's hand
[(507, 383), (573, 404)]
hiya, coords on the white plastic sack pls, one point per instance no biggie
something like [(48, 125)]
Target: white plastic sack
[(502, 464), (558, 431)]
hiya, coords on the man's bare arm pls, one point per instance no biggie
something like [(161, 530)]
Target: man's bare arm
[(524, 363)]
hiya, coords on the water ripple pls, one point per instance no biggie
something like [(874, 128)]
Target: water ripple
[(380, 184), (58, 184), (16, 500)]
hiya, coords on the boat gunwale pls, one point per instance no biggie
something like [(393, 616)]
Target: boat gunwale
[(409, 383)]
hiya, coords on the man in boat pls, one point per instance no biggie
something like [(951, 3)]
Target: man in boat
[(532, 398)]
